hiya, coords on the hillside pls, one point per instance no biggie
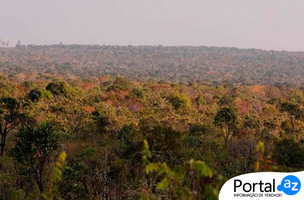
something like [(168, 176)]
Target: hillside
[(75, 123), (102, 127), (175, 64)]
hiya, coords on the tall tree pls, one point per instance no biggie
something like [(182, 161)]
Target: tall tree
[(227, 118), (34, 151), (9, 118), (294, 113)]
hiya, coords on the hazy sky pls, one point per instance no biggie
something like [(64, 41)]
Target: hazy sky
[(266, 24)]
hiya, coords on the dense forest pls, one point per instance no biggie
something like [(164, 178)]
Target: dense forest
[(174, 64), (106, 122)]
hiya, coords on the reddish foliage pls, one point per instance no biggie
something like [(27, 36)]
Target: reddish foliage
[(89, 109), (243, 107), (87, 86)]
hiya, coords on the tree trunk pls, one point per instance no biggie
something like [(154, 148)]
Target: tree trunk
[(292, 120), (227, 136), (2, 144)]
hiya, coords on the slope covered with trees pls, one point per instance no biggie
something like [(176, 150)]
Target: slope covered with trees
[(102, 125), (67, 130), (175, 64)]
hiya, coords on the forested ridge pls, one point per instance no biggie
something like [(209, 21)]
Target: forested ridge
[(175, 64), (98, 122)]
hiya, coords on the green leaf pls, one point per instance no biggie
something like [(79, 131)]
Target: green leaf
[(259, 147), (200, 168), (152, 167), (163, 184)]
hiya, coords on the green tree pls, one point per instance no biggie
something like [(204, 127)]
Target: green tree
[(131, 142), (121, 84), (34, 95), (294, 113), (58, 88), (34, 151), (188, 181), (180, 101), (102, 121), (53, 190), (289, 153), (138, 92), (9, 118), (165, 143), (226, 118)]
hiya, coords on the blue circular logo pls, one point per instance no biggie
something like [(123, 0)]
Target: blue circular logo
[(290, 185)]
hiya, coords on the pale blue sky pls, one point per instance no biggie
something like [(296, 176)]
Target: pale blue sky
[(265, 24)]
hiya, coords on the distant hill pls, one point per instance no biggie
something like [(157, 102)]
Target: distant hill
[(175, 64), (5, 44)]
